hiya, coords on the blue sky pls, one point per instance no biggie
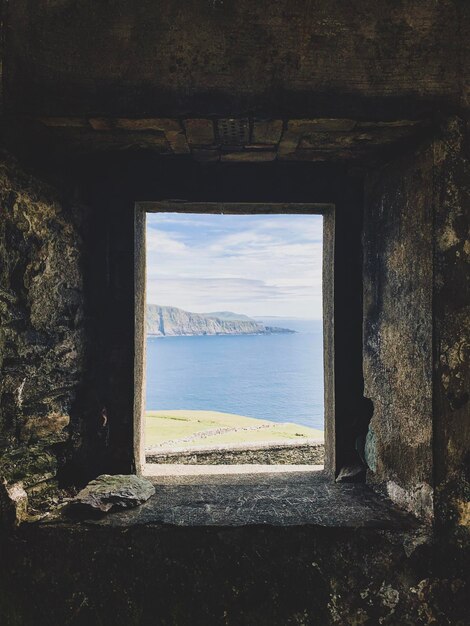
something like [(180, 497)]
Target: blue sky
[(251, 264)]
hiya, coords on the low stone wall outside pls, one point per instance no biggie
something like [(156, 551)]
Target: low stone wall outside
[(288, 452)]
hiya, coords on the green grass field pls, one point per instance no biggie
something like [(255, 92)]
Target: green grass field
[(180, 429)]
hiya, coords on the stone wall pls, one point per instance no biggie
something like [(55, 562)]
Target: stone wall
[(91, 574), (41, 327), (416, 252), (373, 60), (258, 575), (311, 452), (451, 299), (330, 58), (398, 328)]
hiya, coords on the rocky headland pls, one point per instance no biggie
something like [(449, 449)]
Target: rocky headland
[(169, 321)]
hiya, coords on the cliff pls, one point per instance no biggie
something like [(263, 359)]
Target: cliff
[(166, 321)]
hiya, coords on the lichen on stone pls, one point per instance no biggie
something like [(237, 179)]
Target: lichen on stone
[(41, 324), (109, 493)]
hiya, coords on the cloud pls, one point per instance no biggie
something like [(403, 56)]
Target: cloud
[(250, 265)]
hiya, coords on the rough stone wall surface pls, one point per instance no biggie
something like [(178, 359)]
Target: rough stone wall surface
[(41, 326), (452, 327), (209, 55), (85, 574), (374, 59), (308, 453), (398, 328), (246, 576), (416, 328)]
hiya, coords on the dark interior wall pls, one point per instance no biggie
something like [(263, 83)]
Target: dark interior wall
[(62, 279), (416, 360), (328, 58), (42, 328), (113, 188), (68, 303), (398, 287), (152, 575), (57, 573), (451, 310)]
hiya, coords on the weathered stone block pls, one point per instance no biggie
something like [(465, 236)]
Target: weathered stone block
[(101, 123), (177, 141), (13, 503), (200, 132), (108, 493), (152, 123), (31, 465), (289, 142), (306, 126), (48, 427), (267, 131), (249, 156)]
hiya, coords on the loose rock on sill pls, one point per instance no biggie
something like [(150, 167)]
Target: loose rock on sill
[(111, 493)]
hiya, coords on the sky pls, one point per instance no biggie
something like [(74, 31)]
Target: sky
[(258, 265)]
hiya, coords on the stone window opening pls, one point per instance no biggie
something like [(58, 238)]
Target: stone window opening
[(205, 463)]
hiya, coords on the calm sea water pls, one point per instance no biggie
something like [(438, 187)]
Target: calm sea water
[(275, 377)]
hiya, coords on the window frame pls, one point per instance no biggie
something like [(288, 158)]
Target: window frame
[(327, 210)]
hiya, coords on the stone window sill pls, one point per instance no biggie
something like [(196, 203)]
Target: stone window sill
[(273, 498)]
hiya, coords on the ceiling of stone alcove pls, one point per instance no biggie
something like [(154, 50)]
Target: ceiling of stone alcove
[(368, 59), (231, 81), (234, 139)]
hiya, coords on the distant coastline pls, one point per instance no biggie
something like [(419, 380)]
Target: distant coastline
[(166, 321)]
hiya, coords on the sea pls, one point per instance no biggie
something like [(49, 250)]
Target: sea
[(278, 377)]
